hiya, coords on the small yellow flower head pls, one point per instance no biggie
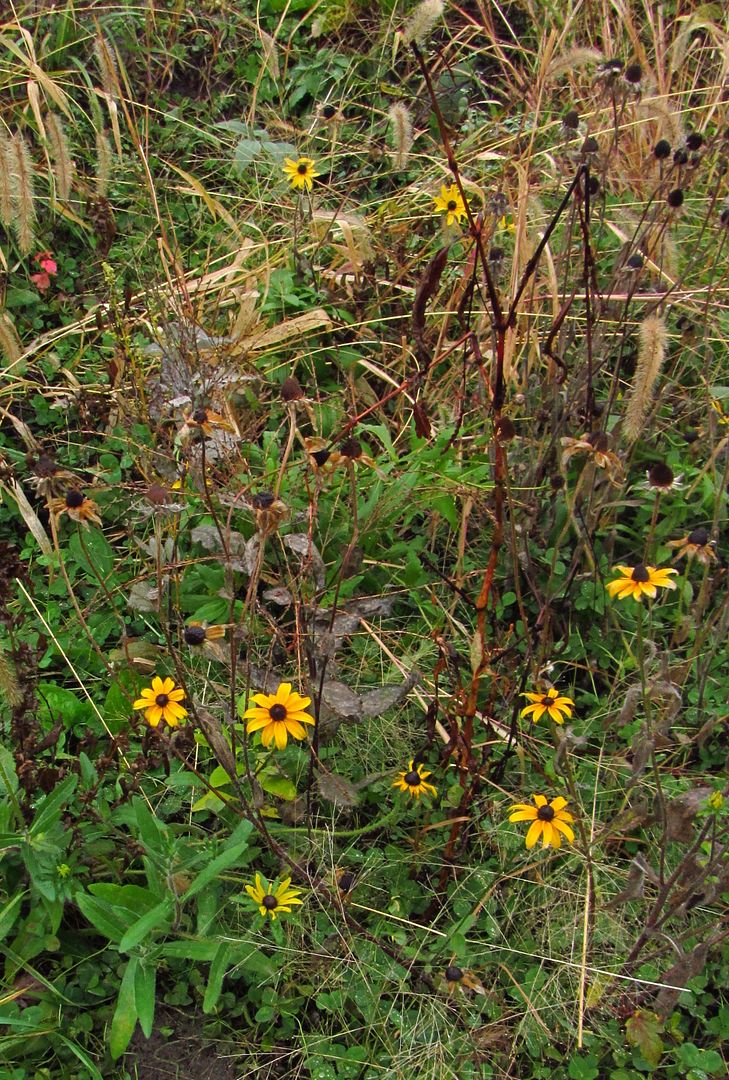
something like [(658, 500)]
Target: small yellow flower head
[(412, 781), (548, 820), (161, 701), (715, 801), (278, 715), (272, 899), (552, 703), (639, 581), (450, 203), (301, 173), (64, 870)]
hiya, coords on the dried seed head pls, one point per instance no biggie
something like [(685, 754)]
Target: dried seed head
[(351, 448), (262, 500), (662, 149), (633, 73), (680, 157), (590, 145), (694, 140), (675, 198), (571, 120), (594, 186), (698, 536), (635, 262), (291, 389), (660, 476)]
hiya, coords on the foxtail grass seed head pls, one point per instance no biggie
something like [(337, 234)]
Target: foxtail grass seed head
[(422, 21), (23, 220), (106, 63), (652, 345), (402, 134), (61, 154), (10, 344), (103, 164), (7, 162)]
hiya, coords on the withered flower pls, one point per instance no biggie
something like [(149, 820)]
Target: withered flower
[(269, 510), (695, 545), (76, 506), (597, 445)]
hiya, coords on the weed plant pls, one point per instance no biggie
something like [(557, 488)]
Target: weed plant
[(364, 451)]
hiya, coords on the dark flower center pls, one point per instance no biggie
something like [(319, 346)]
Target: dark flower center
[(351, 448), (598, 440), (303, 168), (640, 573), (413, 778), (162, 700), (453, 973), (74, 499), (660, 475), (321, 456), (452, 204), (277, 712), (545, 813), (194, 635), (346, 882), (328, 112), (700, 537), (45, 466), (547, 700), (200, 416), (262, 500), (269, 902)]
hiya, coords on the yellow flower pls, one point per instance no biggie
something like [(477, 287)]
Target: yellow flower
[(450, 203), (548, 820), (77, 506), (162, 702), (278, 715), (639, 581), (715, 801), (413, 781), (301, 173), (551, 702), (270, 899)]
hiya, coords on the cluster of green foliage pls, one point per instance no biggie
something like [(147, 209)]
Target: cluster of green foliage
[(347, 434)]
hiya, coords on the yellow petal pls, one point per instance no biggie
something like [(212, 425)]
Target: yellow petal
[(157, 685), (534, 833), (559, 803), (528, 814), (539, 800), (295, 729), (258, 722), (559, 824), (279, 734)]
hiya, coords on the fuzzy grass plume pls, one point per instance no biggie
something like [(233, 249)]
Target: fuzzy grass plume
[(23, 220), (652, 343), (402, 134), (61, 154), (421, 22)]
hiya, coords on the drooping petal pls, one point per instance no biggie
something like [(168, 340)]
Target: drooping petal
[(556, 715), (534, 833), (267, 734), (295, 729), (153, 716), (279, 734), (559, 824), (258, 722)]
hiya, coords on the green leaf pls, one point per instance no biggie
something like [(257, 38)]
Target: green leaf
[(643, 1031), (218, 969), (102, 916), (156, 917), (124, 1020), (9, 914), (98, 559), (145, 981), (197, 951), (280, 786), (228, 857), (50, 810)]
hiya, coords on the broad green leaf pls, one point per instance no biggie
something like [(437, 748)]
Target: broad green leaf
[(9, 914), (643, 1031), (144, 990), (158, 916), (218, 969), (98, 558), (102, 916), (228, 857), (50, 810), (124, 1020)]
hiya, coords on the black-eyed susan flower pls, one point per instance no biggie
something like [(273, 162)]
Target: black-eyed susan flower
[(458, 979), (207, 421), (161, 701), (47, 477), (269, 511), (278, 715), (597, 445), (75, 504), (639, 581), (556, 705), (661, 478), (413, 781), (695, 545), (301, 173), (321, 457), (450, 202), (272, 899), (549, 820), (345, 881), (198, 635)]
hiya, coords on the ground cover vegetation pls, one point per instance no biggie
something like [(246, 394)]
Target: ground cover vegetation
[(364, 427)]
